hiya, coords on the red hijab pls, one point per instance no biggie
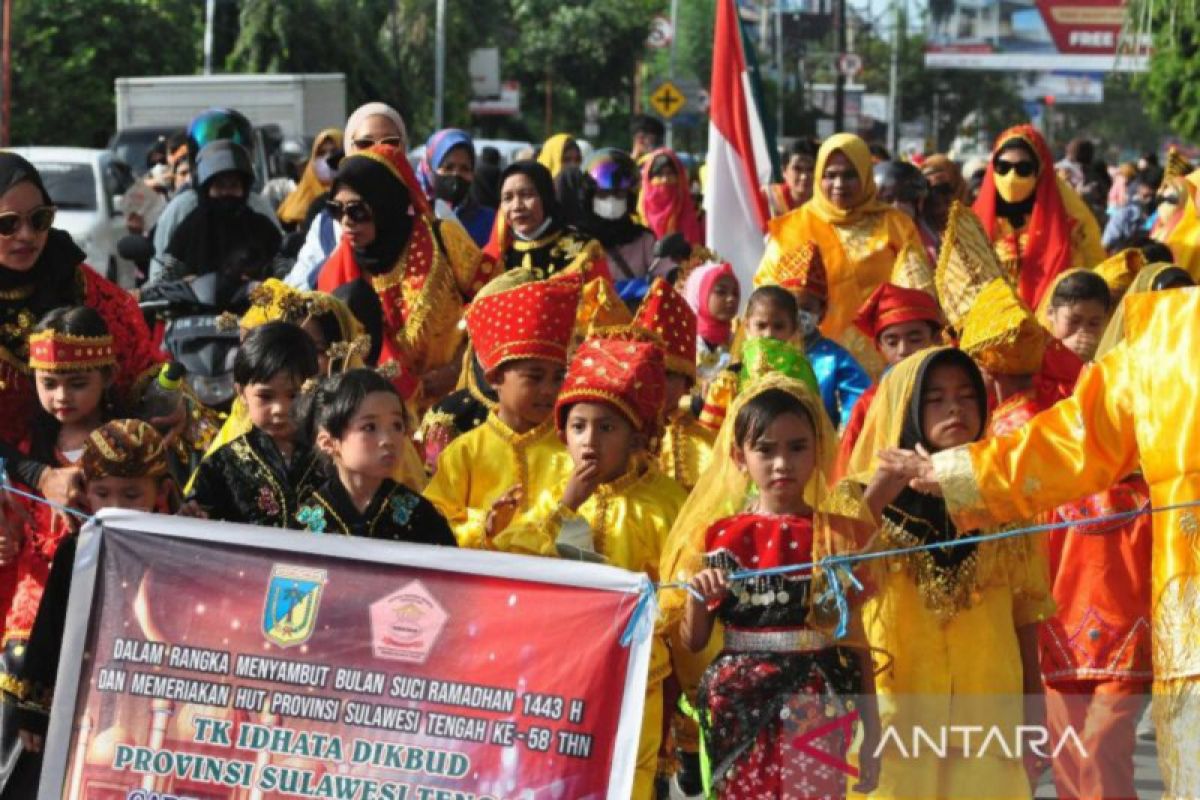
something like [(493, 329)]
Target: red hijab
[(1049, 227), (668, 208)]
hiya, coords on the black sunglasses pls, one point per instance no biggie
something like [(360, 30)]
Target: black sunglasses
[(40, 219), (356, 211), (1024, 169)]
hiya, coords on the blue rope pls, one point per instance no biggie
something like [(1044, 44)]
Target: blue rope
[(645, 601), (6, 485)]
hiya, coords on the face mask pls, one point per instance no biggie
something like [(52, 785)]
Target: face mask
[(323, 171), (451, 188), (808, 323), (610, 207), (227, 206), (1013, 188)]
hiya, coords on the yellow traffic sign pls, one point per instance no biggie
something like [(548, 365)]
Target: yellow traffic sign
[(668, 100)]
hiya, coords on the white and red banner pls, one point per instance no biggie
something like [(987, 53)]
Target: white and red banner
[(215, 661), (739, 156)]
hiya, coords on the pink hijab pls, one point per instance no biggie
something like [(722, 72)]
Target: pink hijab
[(668, 208), (696, 290)]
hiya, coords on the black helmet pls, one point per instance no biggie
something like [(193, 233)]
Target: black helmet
[(220, 156), (216, 124)]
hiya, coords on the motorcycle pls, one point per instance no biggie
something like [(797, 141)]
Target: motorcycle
[(196, 332)]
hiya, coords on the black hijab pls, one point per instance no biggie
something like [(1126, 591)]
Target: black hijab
[(53, 274), (543, 184), (923, 515), (569, 187), (390, 204), (363, 301)]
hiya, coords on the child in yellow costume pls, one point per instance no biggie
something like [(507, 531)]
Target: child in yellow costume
[(684, 453), (615, 506), (960, 623), (520, 337), (1134, 406)]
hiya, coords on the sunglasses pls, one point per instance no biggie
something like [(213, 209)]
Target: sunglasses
[(355, 211), (1024, 169), (366, 143), (39, 219)]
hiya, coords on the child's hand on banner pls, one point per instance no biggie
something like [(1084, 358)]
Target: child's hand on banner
[(503, 510)]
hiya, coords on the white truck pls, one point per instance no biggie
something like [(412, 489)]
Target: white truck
[(301, 105)]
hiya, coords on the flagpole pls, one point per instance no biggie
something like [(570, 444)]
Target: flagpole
[(671, 71)]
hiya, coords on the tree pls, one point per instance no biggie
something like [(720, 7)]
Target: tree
[(1171, 87), (577, 50), (66, 57), (318, 36)]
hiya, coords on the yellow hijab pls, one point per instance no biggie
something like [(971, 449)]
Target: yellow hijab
[(1114, 333), (854, 149), (294, 208), (551, 156)]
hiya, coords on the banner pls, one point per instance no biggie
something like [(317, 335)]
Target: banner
[(1079, 35), (205, 660)]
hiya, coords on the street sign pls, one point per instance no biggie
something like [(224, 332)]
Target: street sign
[(850, 64), (668, 100), (661, 33)]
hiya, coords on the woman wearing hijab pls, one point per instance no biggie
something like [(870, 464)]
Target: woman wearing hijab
[(424, 271), (606, 215), (313, 183), (446, 172), (955, 628), (560, 151), (946, 185), (222, 234), (531, 231), (370, 124), (863, 242), (1038, 225), (666, 201), (42, 269)]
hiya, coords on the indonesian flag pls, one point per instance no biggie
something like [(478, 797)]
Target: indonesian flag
[(739, 156)]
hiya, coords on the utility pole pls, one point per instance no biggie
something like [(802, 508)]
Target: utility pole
[(439, 67), (839, 92), (6, 68), (671, 71), (894, 81), (779, 71), (210, 12)]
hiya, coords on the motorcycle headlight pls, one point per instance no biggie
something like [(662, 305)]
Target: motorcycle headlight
[(213, 391)]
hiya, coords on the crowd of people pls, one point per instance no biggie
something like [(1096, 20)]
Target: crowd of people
[(544, 358)]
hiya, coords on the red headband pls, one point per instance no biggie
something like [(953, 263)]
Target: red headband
[(63, 352)]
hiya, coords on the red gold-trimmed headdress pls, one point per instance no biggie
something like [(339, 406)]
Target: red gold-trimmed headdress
[(666, 313), (534, 320), (52, 351), (623, 368)]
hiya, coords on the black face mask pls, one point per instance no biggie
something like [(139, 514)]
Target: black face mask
[(451, 188), (227, 206)]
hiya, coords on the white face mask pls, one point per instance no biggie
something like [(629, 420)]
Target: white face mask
[(323, 171), (610, 207)]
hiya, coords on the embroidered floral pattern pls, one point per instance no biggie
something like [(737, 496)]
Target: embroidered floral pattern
[(267, 502), (403, 507), (312, 517)]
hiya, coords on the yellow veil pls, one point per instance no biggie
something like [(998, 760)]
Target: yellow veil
[(551, 156), (1114, 334), (841, 524)]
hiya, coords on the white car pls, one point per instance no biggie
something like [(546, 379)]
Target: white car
[(85, 185)]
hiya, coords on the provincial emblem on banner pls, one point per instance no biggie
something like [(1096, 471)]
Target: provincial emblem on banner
[(290, 610)]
